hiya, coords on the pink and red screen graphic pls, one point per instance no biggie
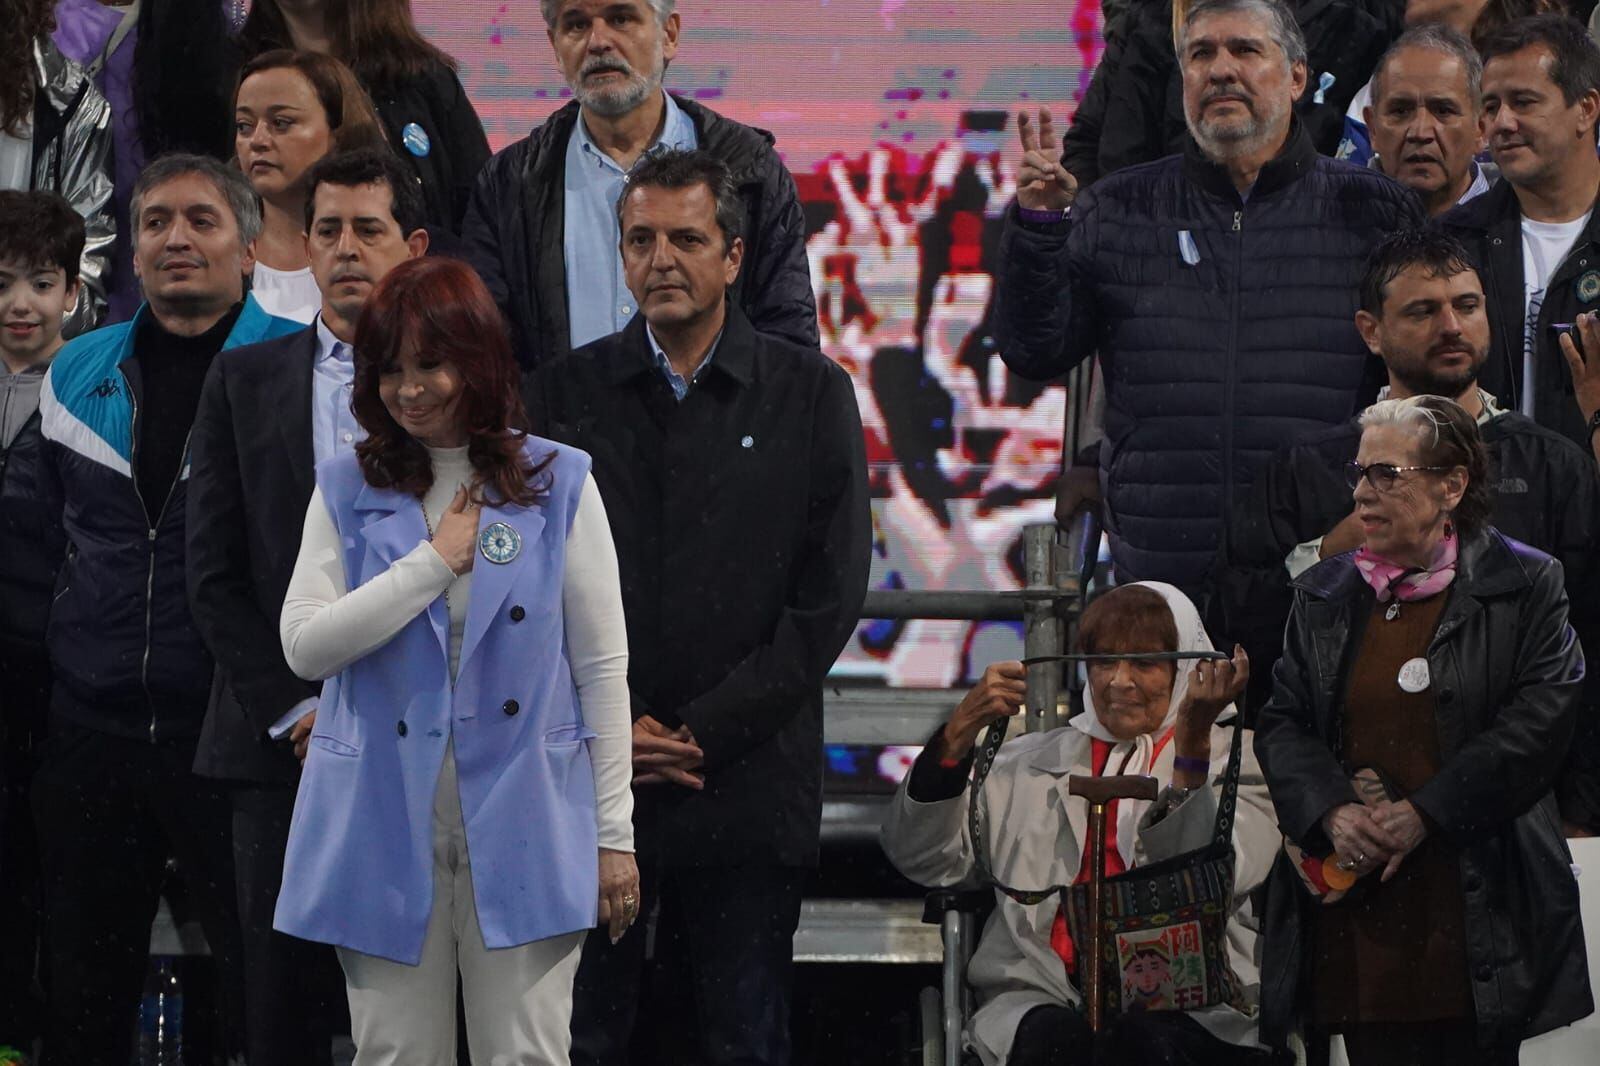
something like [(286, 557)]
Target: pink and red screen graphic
[(897, 119)]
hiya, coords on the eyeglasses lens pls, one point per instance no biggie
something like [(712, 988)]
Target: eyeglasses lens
[(1381, 476)]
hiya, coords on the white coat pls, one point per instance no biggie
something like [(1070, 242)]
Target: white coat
[(1036, 838)]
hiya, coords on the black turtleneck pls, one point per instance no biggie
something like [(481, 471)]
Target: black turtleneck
[(171, 371)]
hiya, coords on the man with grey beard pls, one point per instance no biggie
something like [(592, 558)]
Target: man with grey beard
[(542, 226), (1217, 286)]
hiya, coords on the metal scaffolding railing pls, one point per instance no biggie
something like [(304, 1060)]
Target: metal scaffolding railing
[(1056, 571)]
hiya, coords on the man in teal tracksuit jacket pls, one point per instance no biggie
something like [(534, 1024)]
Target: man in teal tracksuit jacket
[(114, 795)]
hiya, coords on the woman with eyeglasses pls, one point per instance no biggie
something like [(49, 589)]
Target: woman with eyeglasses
[(1428, 690)]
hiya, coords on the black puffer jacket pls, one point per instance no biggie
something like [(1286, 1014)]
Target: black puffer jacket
[(513, 231), (1507, 671), (1213, 365), (1132, 111)]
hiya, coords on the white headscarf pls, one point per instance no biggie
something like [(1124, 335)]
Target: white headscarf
[(1191, 637)]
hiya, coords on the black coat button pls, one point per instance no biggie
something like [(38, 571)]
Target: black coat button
[(518, 614), (1484, 973), (400, 727), (510, 707), (1473, 882), (1446, 695)]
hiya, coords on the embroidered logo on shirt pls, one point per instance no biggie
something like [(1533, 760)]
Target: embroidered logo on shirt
[(106, 389)]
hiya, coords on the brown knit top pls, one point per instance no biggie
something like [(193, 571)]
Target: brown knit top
[(1394, 952)]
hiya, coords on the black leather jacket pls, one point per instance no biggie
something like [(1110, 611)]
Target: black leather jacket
[(1508, 672)]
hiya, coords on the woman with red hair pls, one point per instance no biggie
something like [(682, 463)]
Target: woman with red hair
[(465, 804)]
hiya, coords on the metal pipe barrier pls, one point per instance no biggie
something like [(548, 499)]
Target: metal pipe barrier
[(1047, 605)]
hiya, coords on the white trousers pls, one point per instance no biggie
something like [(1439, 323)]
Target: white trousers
[(518, 1000)]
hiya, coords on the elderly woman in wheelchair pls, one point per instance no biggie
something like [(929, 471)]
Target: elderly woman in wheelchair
[(1182, 983)]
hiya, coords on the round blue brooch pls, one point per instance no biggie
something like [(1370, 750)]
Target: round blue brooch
[(499, 543), (415, 138)]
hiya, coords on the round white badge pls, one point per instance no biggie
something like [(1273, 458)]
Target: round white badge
[(1414, 675), (499, 543)]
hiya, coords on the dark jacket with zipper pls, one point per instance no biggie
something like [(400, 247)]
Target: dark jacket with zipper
[(126, 655), (1491, 228), (30, 544), (1507, 673), (1224, 329), (514, 233)]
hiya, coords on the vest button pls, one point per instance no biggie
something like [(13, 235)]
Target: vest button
[(400, 727), (510, 707), (1484, 973), (518, 614)]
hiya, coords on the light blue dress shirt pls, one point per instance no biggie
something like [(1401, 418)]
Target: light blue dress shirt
[(680, 384), (598, 301), (334, 430)]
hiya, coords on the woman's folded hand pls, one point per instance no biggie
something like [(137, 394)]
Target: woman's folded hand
[(1360, 840)]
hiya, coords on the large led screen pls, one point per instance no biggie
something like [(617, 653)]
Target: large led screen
[(897, 119)]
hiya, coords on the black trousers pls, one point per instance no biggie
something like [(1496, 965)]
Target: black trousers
[(724, 960), (292, 988), (24, 701), (1059, 1036), (109, 813), (1404, 1044)]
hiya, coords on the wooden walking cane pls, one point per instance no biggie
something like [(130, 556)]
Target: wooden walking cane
[(1100, 791)]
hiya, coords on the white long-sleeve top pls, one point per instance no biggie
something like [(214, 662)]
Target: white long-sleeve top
[(326, 625)]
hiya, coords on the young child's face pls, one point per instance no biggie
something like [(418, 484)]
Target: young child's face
[(33, 302)]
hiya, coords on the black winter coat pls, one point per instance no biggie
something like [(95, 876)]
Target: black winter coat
[(514, 226), (1209, 366), (1507, 671), (31, 545), (1491, 228), (743, 538), (1132, 111)]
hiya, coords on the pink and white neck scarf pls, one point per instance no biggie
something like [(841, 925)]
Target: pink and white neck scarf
[(1390, 580)]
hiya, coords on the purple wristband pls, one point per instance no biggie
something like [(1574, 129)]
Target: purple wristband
[(1197, 766), (1042, 218)]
